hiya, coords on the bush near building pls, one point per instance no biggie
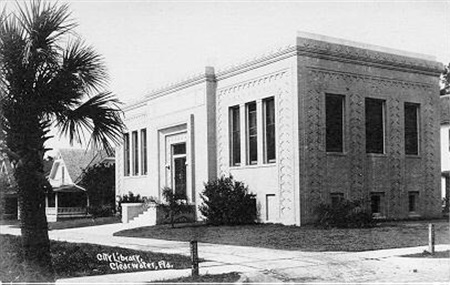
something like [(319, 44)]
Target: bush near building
[(228, 202), (345, 214)]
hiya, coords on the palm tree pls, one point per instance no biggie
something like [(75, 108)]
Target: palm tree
[(48, 78)]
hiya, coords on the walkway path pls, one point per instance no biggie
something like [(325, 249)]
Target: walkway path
[(266, 265)]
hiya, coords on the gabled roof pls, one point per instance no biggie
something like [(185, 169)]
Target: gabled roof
[(5, 165), (76, 160)]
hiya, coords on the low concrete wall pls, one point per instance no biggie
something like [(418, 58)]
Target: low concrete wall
[(130, 211)]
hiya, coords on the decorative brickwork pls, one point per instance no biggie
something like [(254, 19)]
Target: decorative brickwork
[(285, 149), (315, 143), (397, 196), (279, 85), (357, 141), (431, 166), (357, 87)]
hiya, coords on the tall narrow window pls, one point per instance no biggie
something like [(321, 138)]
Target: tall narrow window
[(126, 154), (235, 136), (135, 152), (252, 135), (269, 129), (377, 204), (413, 198), (374, 126), (336, 199), (334, 110), (411, 128), (144, 151)]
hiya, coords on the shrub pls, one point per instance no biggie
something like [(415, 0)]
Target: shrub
[(129, 198), (174, 205), (228, 202), (101, 211), (345, 214)]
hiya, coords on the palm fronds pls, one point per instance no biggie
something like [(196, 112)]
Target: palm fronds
[(99, 116)]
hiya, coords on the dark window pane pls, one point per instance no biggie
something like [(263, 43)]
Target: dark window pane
[(180, 176), (374, 126), (252, 133), (334, 123), (413, 197), (126, 154), (270, 129), (135, 152), (235, 136), (411, 129), (376, 204), (179, 148), (336, 198), (144, 151)]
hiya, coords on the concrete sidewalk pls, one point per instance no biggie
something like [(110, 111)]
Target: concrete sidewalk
[(265, 265)]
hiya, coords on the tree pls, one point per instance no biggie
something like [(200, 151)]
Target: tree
[(445, 81), (100, 185), (175, 204), (48, 77)]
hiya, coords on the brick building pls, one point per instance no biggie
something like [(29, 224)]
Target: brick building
[(316, 121)]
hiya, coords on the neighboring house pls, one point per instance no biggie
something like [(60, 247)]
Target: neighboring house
[(8, 189), (68, 198), (317, 121), (445, 145)]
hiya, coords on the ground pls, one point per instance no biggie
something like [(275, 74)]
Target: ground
[(384, 236), (259, 264)]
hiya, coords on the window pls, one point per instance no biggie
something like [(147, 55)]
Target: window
[(135, 152), (377, 204), (411, 128), (334, 110), (144, 151), (269, 129), (252, 136), (235, 136), (413, 199), (374, 126), (126, 154), (270, 207), (336, 198)]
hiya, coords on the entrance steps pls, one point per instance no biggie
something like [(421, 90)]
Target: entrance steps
[(144, 219)]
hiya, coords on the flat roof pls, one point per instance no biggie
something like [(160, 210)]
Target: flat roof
[(323, 38)]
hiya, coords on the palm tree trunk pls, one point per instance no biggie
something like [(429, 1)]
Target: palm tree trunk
[(27, 140), (33, 221)]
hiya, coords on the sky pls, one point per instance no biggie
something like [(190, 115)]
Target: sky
[(147, 44)]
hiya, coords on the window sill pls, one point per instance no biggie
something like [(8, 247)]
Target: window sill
[(378, 217), (135, 176), (413, 156), (376, 155), (331, 153), (266, 165)]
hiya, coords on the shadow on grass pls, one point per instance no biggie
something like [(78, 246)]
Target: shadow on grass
[(426, 254), (83, 259)]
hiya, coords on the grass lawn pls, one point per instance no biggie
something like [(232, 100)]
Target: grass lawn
[(82, 222), (218, 278), (70, 223), (81, 259), (306, 238)]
